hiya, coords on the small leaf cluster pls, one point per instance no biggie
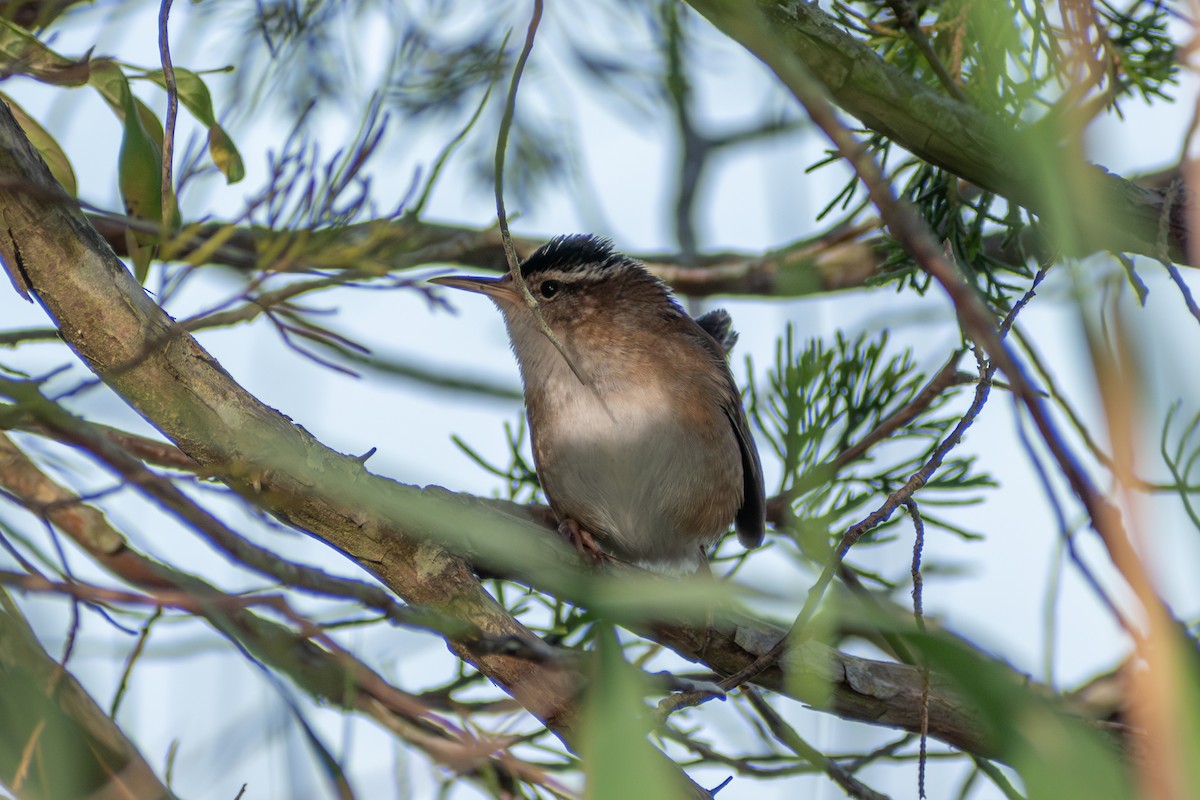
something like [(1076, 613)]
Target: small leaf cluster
[(1006, 56), (818, 400)]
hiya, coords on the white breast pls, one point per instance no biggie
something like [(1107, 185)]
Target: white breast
[(624, 465)]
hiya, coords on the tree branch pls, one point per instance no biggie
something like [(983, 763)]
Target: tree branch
[(982, 149), (396, 532), (331, 675)]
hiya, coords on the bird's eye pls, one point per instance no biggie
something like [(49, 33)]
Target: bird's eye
[(549, 288)]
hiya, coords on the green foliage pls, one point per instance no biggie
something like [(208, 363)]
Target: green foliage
[(1145, 51), (1044, 71), (618, 758), (1181, 459), (521, 483), (26, 54), (45, 144), (1010, 56), (1056, 756), (140, 176), (818, 400)]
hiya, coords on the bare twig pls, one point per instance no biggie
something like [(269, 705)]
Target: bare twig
[(510, 108), (139, 647), (168, 149), (510, 252), (919, 615), (305, 663), (228, 541)]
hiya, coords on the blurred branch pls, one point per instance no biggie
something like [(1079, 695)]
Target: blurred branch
[(975, 319), (54, 740), (325, 671), (841, 258), (69, 430)]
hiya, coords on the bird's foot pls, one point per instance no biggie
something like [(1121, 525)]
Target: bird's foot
[(583, 542)]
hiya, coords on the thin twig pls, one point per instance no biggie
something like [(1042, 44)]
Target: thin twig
[(908, 20), (138, 648), (919, 615), (168, 148), (510, 252), (68, 429)]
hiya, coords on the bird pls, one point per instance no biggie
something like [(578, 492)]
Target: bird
[(640, 441)]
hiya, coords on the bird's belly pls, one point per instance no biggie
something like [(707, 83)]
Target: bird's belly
[(652, 485)]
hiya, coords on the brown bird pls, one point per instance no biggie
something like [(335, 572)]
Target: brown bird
[(639, 436)]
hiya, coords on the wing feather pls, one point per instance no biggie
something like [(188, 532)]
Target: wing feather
[(751, 518)]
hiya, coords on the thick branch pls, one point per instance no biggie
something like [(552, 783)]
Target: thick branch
[(331, 675), (393, 531)]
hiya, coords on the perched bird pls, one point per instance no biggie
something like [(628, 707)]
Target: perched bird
[(639, 436)]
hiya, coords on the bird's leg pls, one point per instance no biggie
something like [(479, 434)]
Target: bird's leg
[(583, 542)]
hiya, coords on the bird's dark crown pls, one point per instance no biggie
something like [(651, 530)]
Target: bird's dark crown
[(580, 253)]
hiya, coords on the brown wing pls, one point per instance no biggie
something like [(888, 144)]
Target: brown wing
[(751, 518)]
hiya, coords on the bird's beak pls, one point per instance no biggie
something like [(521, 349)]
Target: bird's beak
[(500, 289)]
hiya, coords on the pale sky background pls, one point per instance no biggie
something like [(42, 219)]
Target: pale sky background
[(757, 199)]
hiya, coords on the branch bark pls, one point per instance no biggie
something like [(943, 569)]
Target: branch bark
[(163, 373), (379, 247), (393, 531)]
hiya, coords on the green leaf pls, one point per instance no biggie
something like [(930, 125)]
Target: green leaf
[(112, 84), (23, 53), (618, 759), (225, 155), (139, 167), (194, 95), (47, 147)]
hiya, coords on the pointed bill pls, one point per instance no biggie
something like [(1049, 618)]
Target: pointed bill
[(500, 288)]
